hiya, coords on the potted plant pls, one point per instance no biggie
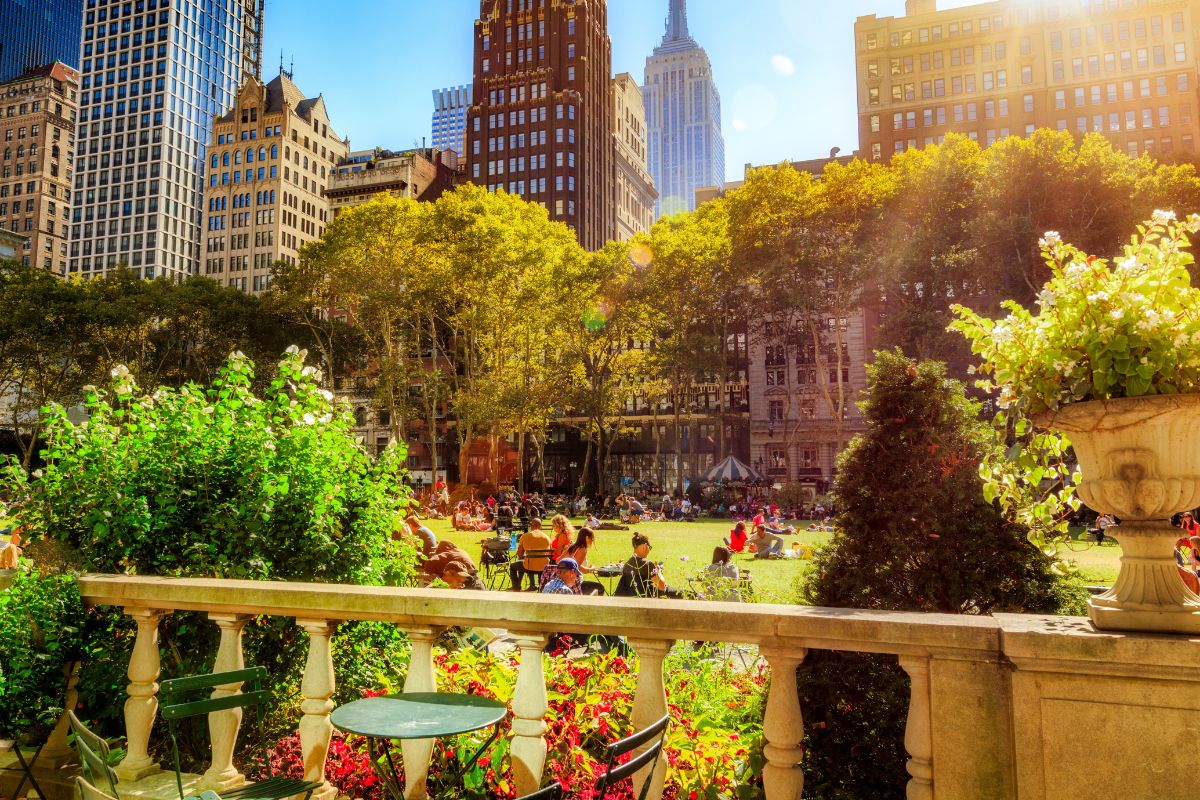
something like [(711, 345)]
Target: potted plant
[(1110, 358)]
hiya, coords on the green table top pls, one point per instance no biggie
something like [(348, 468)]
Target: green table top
[(420, 715)]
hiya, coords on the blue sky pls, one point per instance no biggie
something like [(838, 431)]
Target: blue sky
[(785, 68)]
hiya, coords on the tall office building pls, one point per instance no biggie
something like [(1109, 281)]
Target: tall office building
[(683, 117), (450, 108), (156, 73), (633, 203), (34, 33), (270, 160), (541, 123), (1128, 71), (37, 125)]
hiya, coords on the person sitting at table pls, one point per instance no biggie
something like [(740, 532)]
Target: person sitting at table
[(450, 564), (766, 544), (532, 541), (719, 580), (584, 541), (569, 581), (641, 577), (737, 539), (563, 531)]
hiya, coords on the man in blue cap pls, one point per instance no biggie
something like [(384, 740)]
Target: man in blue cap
[(568, 579)]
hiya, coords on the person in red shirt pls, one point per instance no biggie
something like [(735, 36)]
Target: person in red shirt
[(737, 538)]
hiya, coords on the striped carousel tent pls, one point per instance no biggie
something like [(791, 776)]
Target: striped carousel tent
[(731, 471)]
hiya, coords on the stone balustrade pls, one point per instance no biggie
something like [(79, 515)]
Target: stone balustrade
[(1001, 707)]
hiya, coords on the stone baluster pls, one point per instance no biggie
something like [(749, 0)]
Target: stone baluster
[(57, 752), (528, 747), (223, 726), (142, 705), (317, 688), (649, 706), (918, 733), (783, 726), (421, 678)]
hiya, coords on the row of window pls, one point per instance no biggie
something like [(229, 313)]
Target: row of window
[(1122, 30), (1164, 145)]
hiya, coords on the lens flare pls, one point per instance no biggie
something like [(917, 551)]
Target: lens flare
[(641, 255), (594, 319)]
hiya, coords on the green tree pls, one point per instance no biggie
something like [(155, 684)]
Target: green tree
[(46, 354), (915, 534), (684, 286)]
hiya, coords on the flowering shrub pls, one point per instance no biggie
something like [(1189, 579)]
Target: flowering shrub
[(1101, 330), (713, 749)]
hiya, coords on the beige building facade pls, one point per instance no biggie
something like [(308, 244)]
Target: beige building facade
[(1125, 70), (422, 174), (270, 160), (38, 113), (634, 188)]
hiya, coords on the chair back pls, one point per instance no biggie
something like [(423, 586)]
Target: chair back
[(552, 792), (182, 698), (85, 791), (615, 773), (93, 756), (535, 556)]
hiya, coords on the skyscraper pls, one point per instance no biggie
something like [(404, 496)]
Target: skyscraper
[(450, 118), (155, 75), (1128, 71), (541, 125), (36, 33), (270, 159), (633, 204), (683, 115), (38, 112)]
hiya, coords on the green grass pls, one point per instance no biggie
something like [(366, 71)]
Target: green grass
[(685, 548)]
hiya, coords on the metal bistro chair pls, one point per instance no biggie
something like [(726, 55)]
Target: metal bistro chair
[(616, 773), (495, 560), (530, 555), (552, 792), (177, 706), (93, 758)]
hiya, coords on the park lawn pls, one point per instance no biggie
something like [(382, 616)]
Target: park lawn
[(685, 548)]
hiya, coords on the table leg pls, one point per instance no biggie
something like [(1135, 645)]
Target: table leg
[(27, 771), (473, 760), (391, 782)]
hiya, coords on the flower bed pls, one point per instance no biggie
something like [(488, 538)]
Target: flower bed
[(714, 744)]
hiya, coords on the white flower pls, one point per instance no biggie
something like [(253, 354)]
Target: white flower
[(1161, 217), (1077, 269), (1098, 297), (309, 419), (971, 369), (1047, 299), (293, 350), (120, 371), (1193, 223), (325, 393), (1050, 240), (1117, 314), (1131, 265), (1002, 333)]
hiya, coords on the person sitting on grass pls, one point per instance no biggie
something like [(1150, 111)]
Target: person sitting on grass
[(533, 540), (766, 544), (641, 577), (737, 538)]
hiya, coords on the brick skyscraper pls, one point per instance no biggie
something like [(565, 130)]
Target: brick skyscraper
[(541, 125)]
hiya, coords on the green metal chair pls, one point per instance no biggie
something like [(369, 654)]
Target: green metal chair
[(615, 773), (85, 791), (178, 698), (93, 757)]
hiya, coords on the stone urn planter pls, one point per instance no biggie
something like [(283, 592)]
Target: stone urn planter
[(1139, 458)]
